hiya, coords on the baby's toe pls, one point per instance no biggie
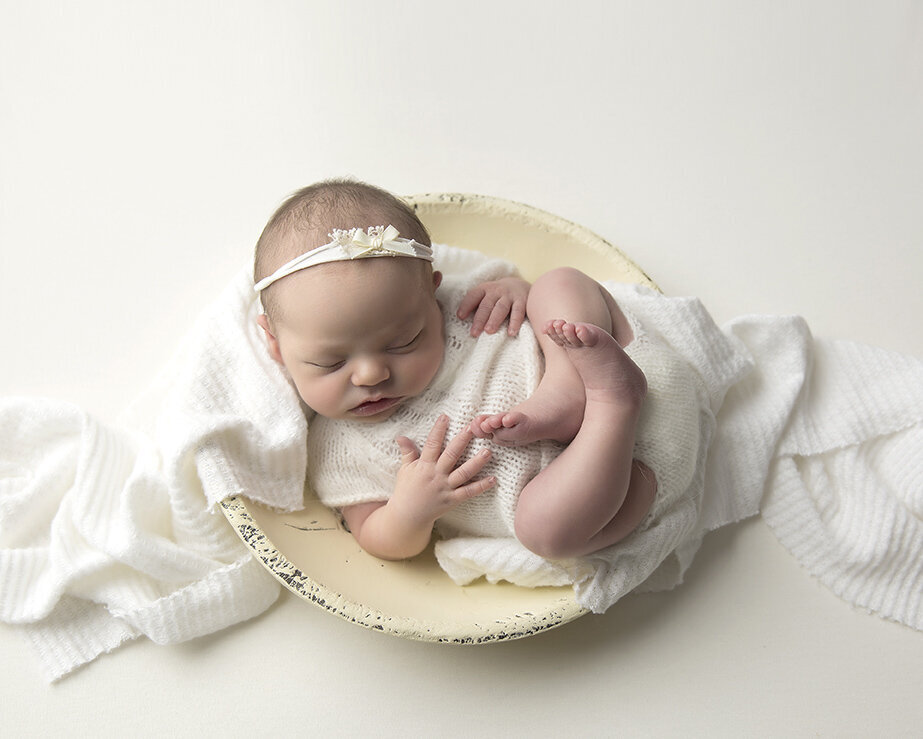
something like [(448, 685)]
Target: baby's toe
[(553, 330), (477, 427), (511, 419), (494, 422)]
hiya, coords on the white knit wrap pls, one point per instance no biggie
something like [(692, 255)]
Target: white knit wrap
[(354, 462)]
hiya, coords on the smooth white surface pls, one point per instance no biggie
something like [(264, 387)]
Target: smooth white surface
[(763, 156)]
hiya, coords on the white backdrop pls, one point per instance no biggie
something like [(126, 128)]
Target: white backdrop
[(763, 156)]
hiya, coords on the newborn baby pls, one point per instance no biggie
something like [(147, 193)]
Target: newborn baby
[(375, 344)]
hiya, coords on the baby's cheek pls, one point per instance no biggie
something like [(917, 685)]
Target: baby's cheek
[(429, 368), (312, 392), (303, 393)]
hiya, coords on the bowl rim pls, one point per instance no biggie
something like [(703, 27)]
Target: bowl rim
[(562, 609)]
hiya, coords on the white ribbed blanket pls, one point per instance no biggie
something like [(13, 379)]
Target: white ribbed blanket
[(108, 533)]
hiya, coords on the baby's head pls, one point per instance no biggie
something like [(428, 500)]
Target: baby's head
[(357, 336)]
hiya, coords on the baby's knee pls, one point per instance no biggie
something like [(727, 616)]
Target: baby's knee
[(570, 294), (561, 278)]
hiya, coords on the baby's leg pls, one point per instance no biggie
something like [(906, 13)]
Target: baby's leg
[(555, 409), (593, 494)]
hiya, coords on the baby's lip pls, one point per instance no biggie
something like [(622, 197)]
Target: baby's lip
[(374, 406)]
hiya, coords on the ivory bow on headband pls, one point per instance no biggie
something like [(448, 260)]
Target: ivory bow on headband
[(349, 244)]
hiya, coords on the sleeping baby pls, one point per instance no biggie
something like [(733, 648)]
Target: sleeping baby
[(428, 415)]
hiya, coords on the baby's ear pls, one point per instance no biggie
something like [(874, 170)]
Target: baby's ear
[(437, 279), (272, 343)]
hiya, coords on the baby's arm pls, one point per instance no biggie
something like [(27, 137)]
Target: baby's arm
[(491, 302), (429, 484)]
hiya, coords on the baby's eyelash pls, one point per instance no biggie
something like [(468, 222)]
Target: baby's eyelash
[(333, 366), (409, 343)]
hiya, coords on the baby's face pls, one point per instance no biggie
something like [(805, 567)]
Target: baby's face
[(359, 338)]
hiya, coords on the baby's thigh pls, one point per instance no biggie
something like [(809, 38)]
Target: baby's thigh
[(570, 294)]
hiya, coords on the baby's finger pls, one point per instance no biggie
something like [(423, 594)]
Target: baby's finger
[(454, 450), (481, 316), (517, 316), (498, 315), (471, 301), (409, 451), (473, 489), (469, 469), (432, 447)]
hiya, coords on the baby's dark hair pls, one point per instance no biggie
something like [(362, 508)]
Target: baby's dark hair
[(305, 219)]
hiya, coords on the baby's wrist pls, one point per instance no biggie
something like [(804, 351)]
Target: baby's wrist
[(409, 516)]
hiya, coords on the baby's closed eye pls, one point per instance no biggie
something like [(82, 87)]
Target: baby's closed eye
[(407, 344), (327, 365)]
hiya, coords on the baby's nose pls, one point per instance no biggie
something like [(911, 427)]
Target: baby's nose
[(370, 372)]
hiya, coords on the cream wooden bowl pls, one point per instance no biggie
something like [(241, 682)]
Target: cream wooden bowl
[(311, 553)]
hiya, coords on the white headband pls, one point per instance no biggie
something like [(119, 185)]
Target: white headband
[(354, 243)]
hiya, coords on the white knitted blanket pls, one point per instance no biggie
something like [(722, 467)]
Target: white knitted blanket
[(107, 533)]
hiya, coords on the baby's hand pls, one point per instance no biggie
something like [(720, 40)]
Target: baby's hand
[(431, 483), (491, 302)]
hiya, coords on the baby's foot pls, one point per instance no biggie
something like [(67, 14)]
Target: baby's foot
[(517, 427), (608, 373), (507, 428)]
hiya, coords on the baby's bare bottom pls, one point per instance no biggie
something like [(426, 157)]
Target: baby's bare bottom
[(593, 494)]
